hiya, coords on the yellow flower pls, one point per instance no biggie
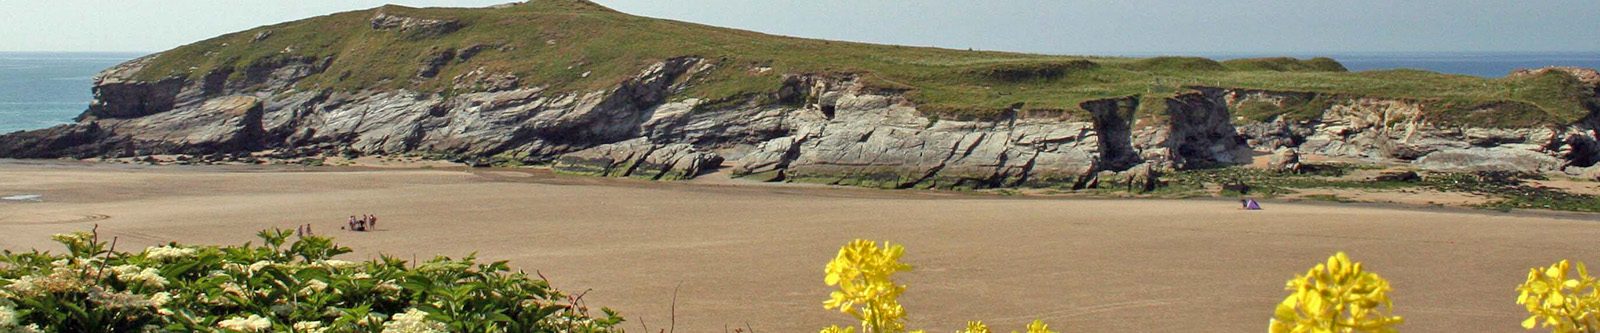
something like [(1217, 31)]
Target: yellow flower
[(1338, 296), (864, 273), (1561, 302), (837, 329), (1038, 326), (975, 327)]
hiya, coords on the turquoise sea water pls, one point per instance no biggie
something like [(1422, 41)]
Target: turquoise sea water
[(39, 90)]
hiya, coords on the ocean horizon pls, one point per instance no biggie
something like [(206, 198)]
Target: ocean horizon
[(43, 89)]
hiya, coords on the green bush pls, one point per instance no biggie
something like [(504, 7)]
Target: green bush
[(280, 286)]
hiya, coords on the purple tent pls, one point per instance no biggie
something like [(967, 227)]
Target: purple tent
[(1251, 204)]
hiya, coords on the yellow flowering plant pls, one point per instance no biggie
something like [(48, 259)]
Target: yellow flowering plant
[(1559, 300), (864, 274), (1038, 326), (1337, 296), (975, 326)]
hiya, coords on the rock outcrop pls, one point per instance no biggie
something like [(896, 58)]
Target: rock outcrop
[(1401, 130), (639, 158), (817, 127), (1284, 159), (414, 26)]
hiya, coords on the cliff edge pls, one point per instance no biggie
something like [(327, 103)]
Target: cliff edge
[(594, 91)]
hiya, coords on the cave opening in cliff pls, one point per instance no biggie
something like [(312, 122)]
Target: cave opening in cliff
[(1113, 123)]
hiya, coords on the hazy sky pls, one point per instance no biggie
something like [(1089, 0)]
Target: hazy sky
[(1042, 26)]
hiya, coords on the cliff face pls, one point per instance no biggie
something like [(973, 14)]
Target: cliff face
[(1402, 131), (845, 133), (828, 127)]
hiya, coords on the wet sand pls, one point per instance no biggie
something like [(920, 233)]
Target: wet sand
[(753, 254)]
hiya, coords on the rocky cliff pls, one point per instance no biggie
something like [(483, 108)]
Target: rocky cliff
[(836, 127)]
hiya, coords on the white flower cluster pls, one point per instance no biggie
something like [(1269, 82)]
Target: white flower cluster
[(168, 252), (387, 286), (235, 289), (249, 269), (312, 287), (252, 324), (8, 317), (413, 321), (159, 301), (148, 277), (332, 263), (309, 327), (9, 321), (74, 239), (61, 279), (117, 300)]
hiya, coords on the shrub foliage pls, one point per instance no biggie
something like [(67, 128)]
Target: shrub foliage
[(280, 286)]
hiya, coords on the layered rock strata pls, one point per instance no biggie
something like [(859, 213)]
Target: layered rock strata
[(820, 127)]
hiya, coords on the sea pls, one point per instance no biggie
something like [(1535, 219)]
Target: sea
[(39, 89), (43, 89)]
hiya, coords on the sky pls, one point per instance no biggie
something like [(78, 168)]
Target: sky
[(1101, 27)]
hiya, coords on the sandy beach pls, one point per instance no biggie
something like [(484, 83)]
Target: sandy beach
[(748, 254)]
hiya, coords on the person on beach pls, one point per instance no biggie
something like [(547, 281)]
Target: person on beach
[(372, 222), (352, 222)]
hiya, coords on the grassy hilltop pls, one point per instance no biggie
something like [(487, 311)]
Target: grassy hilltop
[(575, 45)]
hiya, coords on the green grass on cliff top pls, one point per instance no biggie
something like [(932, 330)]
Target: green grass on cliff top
[(553, 43)]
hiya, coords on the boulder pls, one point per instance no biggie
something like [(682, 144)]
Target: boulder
[(1284, 159), (1489, 159), (1140, 178)]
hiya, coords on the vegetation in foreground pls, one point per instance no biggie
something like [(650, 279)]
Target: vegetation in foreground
[(279, 286), (864, 274), (1339, 296), (1561, 297), (579, 46), (297, 287)]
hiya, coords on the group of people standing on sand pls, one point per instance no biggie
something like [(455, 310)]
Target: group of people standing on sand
[(365, 223)]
